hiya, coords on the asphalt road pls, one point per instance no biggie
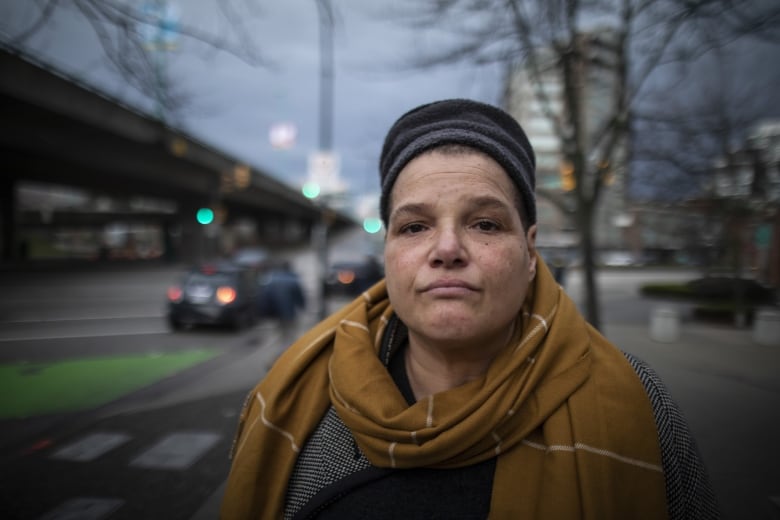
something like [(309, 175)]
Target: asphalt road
[(159, 452), (91, 463)]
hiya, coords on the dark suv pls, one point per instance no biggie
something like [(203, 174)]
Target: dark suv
[(352, 278), (214, 294)]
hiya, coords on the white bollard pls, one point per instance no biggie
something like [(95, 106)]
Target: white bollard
[(665, 325), (766, 327)]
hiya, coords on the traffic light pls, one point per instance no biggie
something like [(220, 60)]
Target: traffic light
[(242, 176), (205, 216), (311, 190), (372, 225), (568, 182)]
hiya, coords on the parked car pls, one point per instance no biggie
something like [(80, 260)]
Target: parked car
[(350, 278), (213, 294), (617, 258)]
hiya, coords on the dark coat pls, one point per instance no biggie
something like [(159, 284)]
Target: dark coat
[(281, 295)]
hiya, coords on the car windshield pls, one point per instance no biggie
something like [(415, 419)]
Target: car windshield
[(250, 256), (210, 279)]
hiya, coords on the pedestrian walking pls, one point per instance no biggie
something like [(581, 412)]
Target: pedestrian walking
[(282, 297)]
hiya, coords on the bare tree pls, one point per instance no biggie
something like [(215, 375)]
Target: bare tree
[(706, 129), (717, 102), (134, 35), (627, 41)]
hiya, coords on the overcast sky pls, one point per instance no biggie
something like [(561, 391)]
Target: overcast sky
[(232, 105)]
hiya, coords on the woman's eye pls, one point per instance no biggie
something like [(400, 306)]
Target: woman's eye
[(486, 225), (412, 228)]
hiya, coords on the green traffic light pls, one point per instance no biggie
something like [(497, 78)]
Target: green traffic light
[(372, 225), (311, 190), (205, 216)]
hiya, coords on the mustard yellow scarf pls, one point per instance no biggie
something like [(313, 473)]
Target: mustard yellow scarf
[(561, 407)]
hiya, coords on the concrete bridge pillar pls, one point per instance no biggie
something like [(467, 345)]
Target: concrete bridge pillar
[(8, 249)]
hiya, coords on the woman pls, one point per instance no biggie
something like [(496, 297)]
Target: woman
[(466, 384)]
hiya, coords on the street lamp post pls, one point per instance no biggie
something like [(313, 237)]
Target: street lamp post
[(326, 75), (320, 232)]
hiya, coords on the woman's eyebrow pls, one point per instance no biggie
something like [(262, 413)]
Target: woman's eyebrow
[(414, 208), (488, 202), (481, 202)]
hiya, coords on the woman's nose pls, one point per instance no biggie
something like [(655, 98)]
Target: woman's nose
[(448, 248)]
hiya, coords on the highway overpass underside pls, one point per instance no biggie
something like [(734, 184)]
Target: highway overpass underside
[(58, 132)]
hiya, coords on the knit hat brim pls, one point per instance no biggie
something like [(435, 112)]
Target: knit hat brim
[(464, 122)]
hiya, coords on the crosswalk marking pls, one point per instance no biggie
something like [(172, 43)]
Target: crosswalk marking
[(91, 447), (176, 451), (84, 508)]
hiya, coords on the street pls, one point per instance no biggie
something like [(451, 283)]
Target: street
[(148, 448), (161, 460), (161, 450)]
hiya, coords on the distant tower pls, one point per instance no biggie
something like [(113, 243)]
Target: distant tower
[(552, 172)]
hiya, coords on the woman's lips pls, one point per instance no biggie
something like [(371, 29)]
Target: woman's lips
[(448, 288)]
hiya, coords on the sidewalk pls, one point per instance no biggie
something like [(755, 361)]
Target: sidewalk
[(727, 388)]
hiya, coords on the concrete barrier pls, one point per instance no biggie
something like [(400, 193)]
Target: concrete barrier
[(665, 325), (766, 327)]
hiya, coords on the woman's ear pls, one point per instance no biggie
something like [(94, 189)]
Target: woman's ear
[(530, 240)]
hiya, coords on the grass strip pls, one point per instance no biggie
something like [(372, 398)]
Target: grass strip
[(29, 389)]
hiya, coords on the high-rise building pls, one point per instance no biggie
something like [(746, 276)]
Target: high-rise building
[(534, 101)]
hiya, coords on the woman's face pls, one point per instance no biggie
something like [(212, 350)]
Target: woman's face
[(457, 260)]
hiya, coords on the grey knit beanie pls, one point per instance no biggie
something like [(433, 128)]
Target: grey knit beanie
[(465, 122)]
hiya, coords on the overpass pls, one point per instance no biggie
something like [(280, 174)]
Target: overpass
[(56, 130)]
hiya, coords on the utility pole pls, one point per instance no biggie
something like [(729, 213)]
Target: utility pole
[(326, 75), (320, 234)]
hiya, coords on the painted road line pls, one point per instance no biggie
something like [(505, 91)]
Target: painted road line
[(152, 330), (86, 317), (155, 331), (84, 508), (91, 446), (176, 451)]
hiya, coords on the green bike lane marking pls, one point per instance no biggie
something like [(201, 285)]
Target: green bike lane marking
[(30, 389)]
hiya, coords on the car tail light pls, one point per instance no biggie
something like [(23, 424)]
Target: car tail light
[(346, 277), (175, 293), (226, 294)]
